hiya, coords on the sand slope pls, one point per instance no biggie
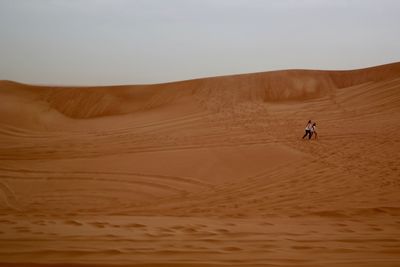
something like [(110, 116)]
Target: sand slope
[(206, 172)]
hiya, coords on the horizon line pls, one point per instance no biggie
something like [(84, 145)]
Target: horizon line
[(197, 78)]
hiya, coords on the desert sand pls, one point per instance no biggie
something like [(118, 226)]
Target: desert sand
[(205, 172)]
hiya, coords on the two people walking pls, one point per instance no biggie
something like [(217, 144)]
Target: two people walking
[(311, 129)]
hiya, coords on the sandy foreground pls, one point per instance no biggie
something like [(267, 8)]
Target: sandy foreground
[(207, 172)]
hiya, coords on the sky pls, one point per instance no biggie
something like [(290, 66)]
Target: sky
[(106, 42)]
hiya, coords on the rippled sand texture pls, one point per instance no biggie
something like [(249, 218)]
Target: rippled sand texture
[(208, 172)]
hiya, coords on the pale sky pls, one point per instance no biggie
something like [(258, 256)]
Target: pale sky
[(104, 42)]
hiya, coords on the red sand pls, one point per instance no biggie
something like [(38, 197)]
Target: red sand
[(207, 172)]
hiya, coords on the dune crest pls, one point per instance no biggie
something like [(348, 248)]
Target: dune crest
[(275, 86)]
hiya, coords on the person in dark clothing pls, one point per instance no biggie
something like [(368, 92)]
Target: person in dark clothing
[(314, 131)]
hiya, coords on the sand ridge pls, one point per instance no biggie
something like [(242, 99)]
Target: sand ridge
[(206, 172), (275, 86)]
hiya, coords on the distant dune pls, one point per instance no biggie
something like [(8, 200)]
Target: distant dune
[(204, 172), (297, 85)]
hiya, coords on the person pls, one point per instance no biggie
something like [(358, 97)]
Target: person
[(314, 130), (308, 130)]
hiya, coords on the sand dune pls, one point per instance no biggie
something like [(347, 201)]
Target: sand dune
[(206, 172)]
